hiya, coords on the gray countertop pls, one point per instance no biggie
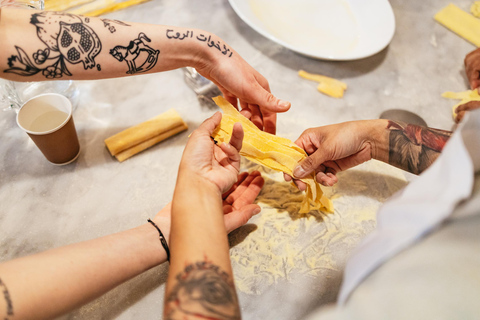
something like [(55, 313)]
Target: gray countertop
[(285, 265)]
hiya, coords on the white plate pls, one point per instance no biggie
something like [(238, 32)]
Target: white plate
[(323, 29)]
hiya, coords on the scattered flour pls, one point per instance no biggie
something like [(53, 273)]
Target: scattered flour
[(279, 244)]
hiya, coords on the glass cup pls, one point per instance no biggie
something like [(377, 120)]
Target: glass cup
[(32, 4)]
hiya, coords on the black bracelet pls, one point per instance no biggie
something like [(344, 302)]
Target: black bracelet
[(162, 239)]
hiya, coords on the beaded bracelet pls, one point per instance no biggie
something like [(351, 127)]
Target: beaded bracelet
[(162, 239)]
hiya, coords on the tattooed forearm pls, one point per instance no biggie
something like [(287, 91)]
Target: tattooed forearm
[(68, 39), (132, 54), (8, 300), (202, 291), (171, 34), (107, 23), (414, 148)]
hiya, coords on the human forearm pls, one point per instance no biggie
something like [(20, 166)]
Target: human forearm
[(43, 45), (73, 275), (409, 147), (200, 278)]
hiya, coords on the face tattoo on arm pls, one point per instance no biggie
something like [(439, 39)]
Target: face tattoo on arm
[(203, 291), (68, 39)]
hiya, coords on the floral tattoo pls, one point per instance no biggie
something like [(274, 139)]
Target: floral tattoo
[(68, 39), (203, 291)]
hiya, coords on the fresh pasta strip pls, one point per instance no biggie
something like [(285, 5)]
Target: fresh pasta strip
[(464, 96), (272, 151), (475, 9), (90, 8), (462, 23), (329, 86), (125, 154), (133, 140), (62, 5)]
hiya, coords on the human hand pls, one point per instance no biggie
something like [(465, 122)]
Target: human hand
[(332, 149), (218, 164), (463, 108), (242, 84), (472, 68), (238, 206)]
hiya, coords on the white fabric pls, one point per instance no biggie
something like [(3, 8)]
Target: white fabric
[(417, 209), (423, 261)]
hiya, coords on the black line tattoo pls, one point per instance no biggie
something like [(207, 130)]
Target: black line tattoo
[(171, 34), (107, 23), (134, 51), (68, 39), (204, 291), (414, 148), (8, 299)]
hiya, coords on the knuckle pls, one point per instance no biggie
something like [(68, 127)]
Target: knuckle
[(309, 162)]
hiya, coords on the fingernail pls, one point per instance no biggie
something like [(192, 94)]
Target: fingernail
[(257, 211), (298, 172), (283, 104)]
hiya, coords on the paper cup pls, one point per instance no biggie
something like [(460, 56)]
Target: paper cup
[(47, 119)]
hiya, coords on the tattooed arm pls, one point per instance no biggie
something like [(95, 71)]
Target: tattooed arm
[(338, 147), (51, 283), (45, 45), (200, 283), (76, 274)]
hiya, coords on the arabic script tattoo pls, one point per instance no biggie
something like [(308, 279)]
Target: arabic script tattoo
[(414, 148), (132, 54), (67, 39), (203, 291), (171, 34), (8, 299)]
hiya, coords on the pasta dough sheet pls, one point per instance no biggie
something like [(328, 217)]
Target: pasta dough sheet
[(133, 140), (271, 151), (464, 96), (329, 86), (460, 22)]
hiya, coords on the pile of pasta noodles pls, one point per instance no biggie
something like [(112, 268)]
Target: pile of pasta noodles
[(271, 151)]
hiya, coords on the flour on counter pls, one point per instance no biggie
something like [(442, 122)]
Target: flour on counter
[(279, 244)]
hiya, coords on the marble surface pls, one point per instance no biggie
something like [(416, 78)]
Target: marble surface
[(44, 206)]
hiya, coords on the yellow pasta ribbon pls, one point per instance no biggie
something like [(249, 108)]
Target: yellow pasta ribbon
[(464, 96), (329, 86), (460, 22), (271, 151)]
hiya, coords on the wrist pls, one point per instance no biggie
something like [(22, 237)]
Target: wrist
[(164, 224), (377, 137), (208, 53), (145, 239), (194, 182), (181, 47), (203, 57)]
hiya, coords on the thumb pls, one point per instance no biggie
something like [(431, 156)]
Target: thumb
[(238, 218), (309, 164), (267, 101), (210, 124)]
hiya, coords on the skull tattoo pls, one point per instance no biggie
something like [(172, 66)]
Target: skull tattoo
[(78, 43)]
